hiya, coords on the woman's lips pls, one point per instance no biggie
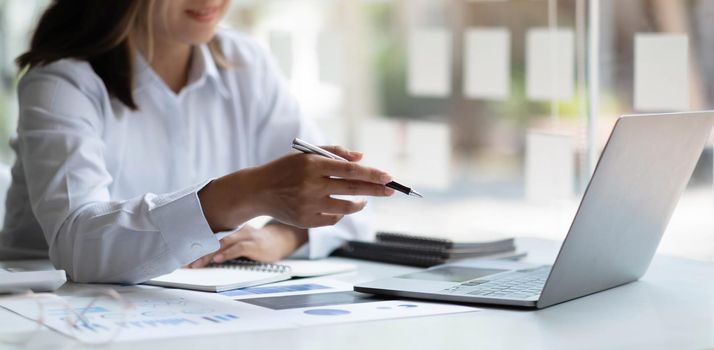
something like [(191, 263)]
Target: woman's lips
[(203, 15)]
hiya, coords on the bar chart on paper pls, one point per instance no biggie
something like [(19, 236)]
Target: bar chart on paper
[(151, 313)]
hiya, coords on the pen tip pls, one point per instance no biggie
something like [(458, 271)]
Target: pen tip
[(415, 194)]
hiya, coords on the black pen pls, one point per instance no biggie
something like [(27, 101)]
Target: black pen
[(306, 147)]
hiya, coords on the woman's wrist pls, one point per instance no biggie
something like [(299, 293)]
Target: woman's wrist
[(230, 201), (294, 237)]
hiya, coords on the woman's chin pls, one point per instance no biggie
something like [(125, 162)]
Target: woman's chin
[(197, 38)]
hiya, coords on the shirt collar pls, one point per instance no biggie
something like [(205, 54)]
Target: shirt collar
[(203, 67)]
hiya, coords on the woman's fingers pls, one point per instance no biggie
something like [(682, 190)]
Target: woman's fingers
[(243, 234), (352, 156), (326, 219), (356, 188), (354, 171), (293, 190), (341, 207), (201, 262), (247, 249), (246, 233)]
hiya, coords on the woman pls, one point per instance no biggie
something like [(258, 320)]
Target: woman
[(146, 139)]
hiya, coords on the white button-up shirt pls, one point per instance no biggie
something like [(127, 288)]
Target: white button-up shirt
[(115, 191)]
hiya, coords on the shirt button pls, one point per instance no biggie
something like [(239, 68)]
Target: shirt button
[(196, 246)]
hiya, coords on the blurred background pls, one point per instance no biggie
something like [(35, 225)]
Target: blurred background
[(495, 110)]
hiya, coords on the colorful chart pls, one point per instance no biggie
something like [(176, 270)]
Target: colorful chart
[(327, 312), (274, 289), (220, 318)]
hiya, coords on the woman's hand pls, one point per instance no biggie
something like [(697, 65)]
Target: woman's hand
[(295, 190), (268, 244)]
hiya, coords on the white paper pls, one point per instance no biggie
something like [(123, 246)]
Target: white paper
[(661, 72), (429, 63), (346, 306), (487, 63), (378, 310), (281, 45), (550, 64), (155, 313), (550, 166)]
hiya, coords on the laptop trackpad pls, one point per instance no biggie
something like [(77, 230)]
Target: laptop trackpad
[(451, 274)]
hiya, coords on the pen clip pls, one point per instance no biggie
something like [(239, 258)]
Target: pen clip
[(305, 146), (302, 149)]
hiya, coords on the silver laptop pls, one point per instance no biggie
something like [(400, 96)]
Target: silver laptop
[(639, 179)]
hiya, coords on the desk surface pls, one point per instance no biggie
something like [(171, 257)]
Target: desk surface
[(671, 307)]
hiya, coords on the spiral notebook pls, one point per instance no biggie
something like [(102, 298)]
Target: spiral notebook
[(226, 276)]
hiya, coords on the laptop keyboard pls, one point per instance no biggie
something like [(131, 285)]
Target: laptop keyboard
[(520, 284)]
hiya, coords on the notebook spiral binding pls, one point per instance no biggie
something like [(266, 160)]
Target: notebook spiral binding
[(250, 265)]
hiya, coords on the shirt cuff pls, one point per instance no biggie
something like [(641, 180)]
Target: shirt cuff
[(322, 241), (183, 226), (223, 234)]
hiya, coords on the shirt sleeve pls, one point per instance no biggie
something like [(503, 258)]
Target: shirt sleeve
[(280, 122), (90, 235)]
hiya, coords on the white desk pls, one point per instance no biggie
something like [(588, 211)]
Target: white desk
[(672, 307)]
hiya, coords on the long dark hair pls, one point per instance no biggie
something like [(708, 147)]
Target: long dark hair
[(99, 32)]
